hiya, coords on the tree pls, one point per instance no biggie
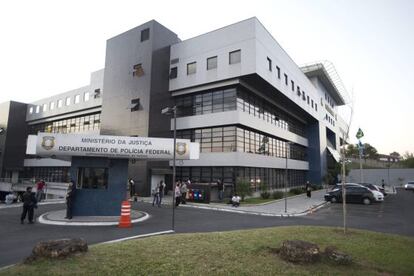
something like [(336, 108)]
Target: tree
[(408, 155), (351, 151), (395, 154), (370, 152), (243, 188)]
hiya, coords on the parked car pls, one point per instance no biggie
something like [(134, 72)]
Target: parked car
[(409, 185), (374, 188), (354, 194), (378, 196)]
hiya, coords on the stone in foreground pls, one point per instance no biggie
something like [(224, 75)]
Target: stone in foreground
[(297, 251), (57, 249), (336, 256)]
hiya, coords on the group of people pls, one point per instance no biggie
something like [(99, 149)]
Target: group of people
[(158, 193), (180, 191)]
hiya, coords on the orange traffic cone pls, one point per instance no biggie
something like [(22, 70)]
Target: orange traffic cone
[(125, 219)]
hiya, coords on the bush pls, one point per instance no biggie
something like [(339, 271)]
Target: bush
[(265, 195), (243, 188), (316, 187), (277, 195), (296, 191)]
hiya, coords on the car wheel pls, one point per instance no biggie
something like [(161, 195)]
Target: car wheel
[(366, 201), (334, 200)]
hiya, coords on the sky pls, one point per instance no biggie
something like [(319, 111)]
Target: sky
[(50, 47)]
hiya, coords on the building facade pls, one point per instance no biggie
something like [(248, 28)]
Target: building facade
[(257, 115)]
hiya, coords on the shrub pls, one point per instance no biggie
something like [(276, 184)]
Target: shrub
[(243, 188), (277, 194), (316, 187), (265, 195), (296, 191)]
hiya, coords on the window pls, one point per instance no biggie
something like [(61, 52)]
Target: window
[(303, 96), (37, 109), (86, 97), (173, 73), (269, 62), (138, 70), (60, 103), (286, 79), (293, 85), (312, 103), (308, 99), (31, 110), (235, 57), (93, 178), (191, 68), (278, 72), (135, 105), (97, 93), (77, 99), (52, 105), (316, 106), (298, 91), (145, 34), (212, 63), (68, 101), (44, 107)]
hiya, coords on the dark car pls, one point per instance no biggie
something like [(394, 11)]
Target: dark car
[(354, 194), (374, 187)]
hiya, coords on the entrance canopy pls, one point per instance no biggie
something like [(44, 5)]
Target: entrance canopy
[(125, 147), (335, 154)]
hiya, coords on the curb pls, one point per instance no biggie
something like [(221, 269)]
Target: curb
[(137, 237), (308, 211), (42, 220)]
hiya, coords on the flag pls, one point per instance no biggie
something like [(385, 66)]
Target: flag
[(359, 134)]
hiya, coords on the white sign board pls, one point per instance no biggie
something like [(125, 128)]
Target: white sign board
[(56, 144)]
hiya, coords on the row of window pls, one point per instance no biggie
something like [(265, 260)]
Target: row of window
[(240, 99), (329, 100), (272, 178), (67, 102), (299, 92), (232, 138), (69, 125), (48, 174), (234, 57), (329, 119)]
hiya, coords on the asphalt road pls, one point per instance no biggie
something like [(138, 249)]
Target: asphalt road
[(395, 216)]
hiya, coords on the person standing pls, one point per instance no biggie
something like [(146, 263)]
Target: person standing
[(40, 188), (308, 189), (183, 190), (131, 183), (220, 188), (177, 194), (156, 196), (161, 192), (29, 203), (70, 196)]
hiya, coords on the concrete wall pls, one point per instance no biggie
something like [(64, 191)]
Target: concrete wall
[(99, 202), (397, 177)]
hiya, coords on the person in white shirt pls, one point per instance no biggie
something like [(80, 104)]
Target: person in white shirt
[(235, 201), (10, 198)]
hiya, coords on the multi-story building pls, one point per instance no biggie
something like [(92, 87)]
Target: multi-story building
[(255, 113)]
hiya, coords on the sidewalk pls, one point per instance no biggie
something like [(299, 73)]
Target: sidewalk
[(296, 205)]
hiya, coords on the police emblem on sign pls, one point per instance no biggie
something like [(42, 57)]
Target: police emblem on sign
[(181, 148), (48, 142)]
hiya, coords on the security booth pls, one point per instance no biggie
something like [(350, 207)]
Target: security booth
[(99, 164)]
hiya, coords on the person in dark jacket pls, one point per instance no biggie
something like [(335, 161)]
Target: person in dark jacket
[(29, 203), (308, 189), (70, 196)]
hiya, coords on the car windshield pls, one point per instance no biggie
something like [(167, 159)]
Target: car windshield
[(411, 182)]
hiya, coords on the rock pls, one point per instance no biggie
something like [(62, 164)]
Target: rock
[(57, 249), (298, 251), (338, 257)]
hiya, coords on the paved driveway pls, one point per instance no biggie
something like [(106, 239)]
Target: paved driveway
[(16, 241)]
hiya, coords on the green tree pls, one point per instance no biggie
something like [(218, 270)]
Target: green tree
[(352, 151), (370, 152), (395, 154), (243, 188)]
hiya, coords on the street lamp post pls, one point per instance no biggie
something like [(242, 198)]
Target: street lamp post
[(173, 111)]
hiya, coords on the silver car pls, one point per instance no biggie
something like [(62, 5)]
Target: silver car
[(409, 185)]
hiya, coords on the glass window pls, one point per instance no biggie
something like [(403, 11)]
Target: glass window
[(145, 34), (93, 178), (212, 63), (77, 99), (293, 85), (37, 109), (278, 72), (68, 101), (31, 110), (60, 103), (286, 79), (52, 105), (173, 73), (44, 107), (191, 68), (235, 57), (86, 97), (269, 64)]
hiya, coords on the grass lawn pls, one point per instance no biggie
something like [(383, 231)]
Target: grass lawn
[(234, 253)]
